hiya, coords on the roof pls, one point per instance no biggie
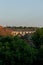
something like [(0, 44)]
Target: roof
[(5, 31)]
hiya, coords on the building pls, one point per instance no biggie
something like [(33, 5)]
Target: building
[(10, 32)]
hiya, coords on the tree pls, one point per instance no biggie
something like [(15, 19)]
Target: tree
[(39, 57), (37, 38), (16, 52)]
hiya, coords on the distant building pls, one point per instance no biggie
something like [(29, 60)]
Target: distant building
[(21, 32), (10, 32)]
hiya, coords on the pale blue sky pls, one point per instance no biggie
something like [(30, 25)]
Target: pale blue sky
[(21, 12)]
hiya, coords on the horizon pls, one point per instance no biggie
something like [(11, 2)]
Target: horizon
[(19, 26), (26, 13)]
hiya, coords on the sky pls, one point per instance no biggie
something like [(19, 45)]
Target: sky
[(21, 13)]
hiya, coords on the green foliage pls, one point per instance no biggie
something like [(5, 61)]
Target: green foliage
[(37, 38), (15, 51), (39, 57)]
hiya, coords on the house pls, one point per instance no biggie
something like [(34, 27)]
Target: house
[(5, 31)]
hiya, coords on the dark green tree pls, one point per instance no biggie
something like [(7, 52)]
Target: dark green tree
[(16, 52), (37, 38)]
